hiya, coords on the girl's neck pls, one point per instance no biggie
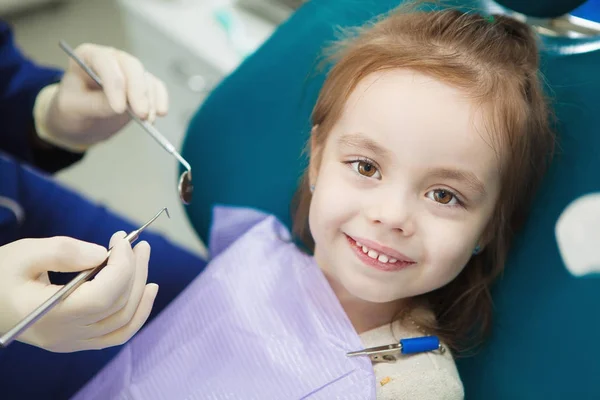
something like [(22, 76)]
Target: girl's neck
[(364, 315)]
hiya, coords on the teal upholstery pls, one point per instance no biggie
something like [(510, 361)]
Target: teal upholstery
[(245, 145)]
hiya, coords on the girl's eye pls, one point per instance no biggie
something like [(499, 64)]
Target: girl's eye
[(365, 168), (444, 197)]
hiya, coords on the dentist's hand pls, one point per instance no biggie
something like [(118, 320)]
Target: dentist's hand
[(103, 312), (76, 114)]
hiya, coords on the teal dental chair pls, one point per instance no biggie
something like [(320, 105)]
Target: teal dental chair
[(245, 144)]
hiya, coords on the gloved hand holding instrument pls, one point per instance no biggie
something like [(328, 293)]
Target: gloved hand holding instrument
[(82, 314)]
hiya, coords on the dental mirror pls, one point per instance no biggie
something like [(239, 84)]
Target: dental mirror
[(185, 187)]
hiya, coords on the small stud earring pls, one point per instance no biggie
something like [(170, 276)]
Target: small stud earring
[(312, 188), (476, 250)]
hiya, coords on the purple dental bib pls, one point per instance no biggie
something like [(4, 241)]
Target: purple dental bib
[(261, 322)]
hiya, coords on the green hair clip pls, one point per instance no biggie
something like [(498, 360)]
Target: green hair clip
[(489, 18)]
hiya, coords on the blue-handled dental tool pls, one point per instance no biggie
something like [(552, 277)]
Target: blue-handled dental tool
[(404, 346)]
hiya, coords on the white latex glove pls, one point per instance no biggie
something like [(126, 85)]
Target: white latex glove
[(76, 113), (103, 312)]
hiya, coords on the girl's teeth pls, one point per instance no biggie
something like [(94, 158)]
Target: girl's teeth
[(373, 254)]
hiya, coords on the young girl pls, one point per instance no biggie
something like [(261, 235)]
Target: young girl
[(429, 137)]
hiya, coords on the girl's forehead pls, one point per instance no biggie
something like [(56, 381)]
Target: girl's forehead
[(401, 102), (409, 95)]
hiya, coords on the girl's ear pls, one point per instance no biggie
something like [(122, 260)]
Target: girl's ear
[(488, 234), (315, 156)]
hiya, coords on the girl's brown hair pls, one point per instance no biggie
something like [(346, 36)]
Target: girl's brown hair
[(495, 60)]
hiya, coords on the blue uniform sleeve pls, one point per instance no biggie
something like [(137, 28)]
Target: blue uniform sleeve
[(20, 82)]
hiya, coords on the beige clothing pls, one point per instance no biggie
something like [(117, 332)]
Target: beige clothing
[(424, 376)]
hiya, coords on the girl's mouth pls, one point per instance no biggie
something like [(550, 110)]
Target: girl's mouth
[(377, 259)]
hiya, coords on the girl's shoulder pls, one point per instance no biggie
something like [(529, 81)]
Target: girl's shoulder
[(424, 376)]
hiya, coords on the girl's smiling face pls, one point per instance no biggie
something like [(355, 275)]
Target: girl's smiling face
[(408, 172)]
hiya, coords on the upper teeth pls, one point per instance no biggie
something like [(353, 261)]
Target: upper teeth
[(373, 254)]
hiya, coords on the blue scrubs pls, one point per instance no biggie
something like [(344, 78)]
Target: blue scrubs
[(33, 205)]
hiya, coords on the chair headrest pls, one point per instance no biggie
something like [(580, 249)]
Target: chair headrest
[(542, 9)]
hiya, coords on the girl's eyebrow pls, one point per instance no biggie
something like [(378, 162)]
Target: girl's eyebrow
[(465, 177), (359, 141)]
